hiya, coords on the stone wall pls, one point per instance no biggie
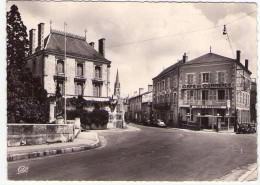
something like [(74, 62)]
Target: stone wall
[(36, 134)]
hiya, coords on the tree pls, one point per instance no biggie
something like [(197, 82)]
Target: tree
[(26, 99)]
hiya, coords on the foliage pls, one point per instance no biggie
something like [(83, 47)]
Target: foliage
[(26, 99), (80, 103), (98, 117)]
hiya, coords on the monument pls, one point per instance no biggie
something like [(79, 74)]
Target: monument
[(116, 116)]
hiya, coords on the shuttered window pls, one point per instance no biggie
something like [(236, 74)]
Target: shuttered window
[(221, 77)]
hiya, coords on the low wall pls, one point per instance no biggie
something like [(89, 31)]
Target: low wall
[(36, 134)]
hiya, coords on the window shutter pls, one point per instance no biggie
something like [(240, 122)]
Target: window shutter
[(199, 94), (76, 89), (185, 95), (94, 90), (199, 77), (195, 95), (210, 77), (215, 94)]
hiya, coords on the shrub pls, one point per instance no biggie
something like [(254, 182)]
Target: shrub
[(72, 114)]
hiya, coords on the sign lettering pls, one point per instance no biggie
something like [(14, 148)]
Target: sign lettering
[(197, 86)]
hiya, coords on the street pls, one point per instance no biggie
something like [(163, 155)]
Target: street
[(151, 154)]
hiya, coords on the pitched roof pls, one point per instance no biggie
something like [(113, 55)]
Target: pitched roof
[(168, 69), (76, 46), (209, 58)]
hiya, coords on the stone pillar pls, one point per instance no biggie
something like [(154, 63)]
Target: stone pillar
[(52, 112), (77, 123)]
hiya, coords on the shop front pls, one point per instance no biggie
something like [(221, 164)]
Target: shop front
[(207, 117)]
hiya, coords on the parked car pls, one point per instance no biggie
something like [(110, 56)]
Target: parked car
[(159, 123), (246, 128)]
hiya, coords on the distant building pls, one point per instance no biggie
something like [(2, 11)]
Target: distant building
[(86, 71), (140, 106), (199, 89)]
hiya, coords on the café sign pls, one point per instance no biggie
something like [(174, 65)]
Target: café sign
[(198, 86)]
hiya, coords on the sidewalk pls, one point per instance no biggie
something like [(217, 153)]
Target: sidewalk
[(84, 141), (246, 173)]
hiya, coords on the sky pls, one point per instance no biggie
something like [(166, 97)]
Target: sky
[(144, 38)]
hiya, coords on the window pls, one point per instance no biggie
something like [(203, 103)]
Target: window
[(60, 66), (98, 72), (96, 90), (221, 77), (61, 86), (190, 95), (158, 86), (168, 83), (190, 78), (205, 77), (163, 85), (221, 94), (174, 82), (79, 89), (79, 69)]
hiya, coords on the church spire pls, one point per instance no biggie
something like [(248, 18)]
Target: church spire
[(117, 85)]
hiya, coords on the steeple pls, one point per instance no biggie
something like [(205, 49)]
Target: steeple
[(117, 85)]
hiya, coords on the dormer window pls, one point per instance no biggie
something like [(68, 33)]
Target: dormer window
[(60, 66)]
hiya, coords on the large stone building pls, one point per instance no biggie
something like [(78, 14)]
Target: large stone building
[(203, 88), (85, 70)]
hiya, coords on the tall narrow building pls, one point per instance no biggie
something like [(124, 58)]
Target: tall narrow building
[(117, 86)]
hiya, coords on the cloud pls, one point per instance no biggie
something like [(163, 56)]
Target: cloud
[(128, 22)]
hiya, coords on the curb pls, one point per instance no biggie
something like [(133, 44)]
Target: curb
[(241, 174), (43, 153)]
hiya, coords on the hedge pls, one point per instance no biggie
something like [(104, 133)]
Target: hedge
[(98, 117)]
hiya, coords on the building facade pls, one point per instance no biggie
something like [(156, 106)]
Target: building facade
[(85, 71), (208, 87), (140, 106)]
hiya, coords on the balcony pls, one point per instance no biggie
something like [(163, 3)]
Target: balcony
[(210, 103), (80, 79), (97, 80)]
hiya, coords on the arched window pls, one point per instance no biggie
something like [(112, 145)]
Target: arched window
[(60, 66)]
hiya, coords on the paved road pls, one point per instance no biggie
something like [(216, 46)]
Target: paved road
[(148, 154)]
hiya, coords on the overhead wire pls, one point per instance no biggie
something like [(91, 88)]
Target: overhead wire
[(135, 42)]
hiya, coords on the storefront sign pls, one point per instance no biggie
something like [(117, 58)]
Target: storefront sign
[(197, 86), (208, 106)]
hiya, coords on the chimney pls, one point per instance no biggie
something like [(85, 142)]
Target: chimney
[(135, 93), (184, 58), (150, 88), (32, 41), (40, 35), (101, 46), (92, 44), (238, 55), (141, 90), (246, 64)]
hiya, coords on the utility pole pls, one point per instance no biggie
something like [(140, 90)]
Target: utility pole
[(65, 97)]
